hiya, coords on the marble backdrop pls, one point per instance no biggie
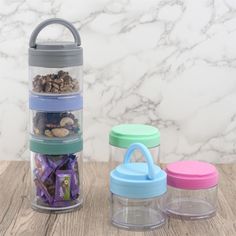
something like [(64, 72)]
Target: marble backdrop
[(169, 63)]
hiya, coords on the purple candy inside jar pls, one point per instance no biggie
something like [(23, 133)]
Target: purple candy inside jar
[(56, 179)]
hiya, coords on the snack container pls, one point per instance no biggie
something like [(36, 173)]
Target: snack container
[(122, 136), (58, 117), (56, 175), (55, 67), (137, 192), (192, 189)]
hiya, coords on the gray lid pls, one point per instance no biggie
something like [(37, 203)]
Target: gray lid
[(55, 54)]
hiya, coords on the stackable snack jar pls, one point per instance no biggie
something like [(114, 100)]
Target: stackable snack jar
[(192, 189), (56, 107), (138, 191), (56, 117), (122, 136), (55, 68), (56, 175)]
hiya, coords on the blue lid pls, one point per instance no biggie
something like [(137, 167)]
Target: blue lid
[(55, 103), (138, 180)]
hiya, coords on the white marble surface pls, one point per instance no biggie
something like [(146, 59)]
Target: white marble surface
[(168, 63)]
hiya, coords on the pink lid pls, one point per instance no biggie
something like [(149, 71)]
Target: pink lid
[(191, 175)]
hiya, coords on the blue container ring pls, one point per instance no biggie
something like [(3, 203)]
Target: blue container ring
[(59, 103)]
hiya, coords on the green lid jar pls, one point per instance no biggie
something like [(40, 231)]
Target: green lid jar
[(122, 136)]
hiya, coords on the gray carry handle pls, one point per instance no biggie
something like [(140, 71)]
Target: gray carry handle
[(42, 25)]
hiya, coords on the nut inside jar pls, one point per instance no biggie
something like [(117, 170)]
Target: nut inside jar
[(58, 125), (60, 82)]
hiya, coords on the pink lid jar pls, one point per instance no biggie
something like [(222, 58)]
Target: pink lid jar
[(192, 189)]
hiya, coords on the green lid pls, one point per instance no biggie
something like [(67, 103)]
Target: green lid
[(124, 135), (56, 147)]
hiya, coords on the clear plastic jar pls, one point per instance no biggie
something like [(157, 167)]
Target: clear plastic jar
[(137, 192), (56, 105), (191, 204), (56, 117), (56, 179), (56, 124), (121, 136), (137, 214), (192, 190)]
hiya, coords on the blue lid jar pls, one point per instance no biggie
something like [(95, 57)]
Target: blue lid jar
[(137, 191), (138, 180)]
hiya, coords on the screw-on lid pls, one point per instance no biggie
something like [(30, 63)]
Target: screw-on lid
[(55, 54), (138, 180), (125, 134), (55, 103), (56, 147), (191, 175)]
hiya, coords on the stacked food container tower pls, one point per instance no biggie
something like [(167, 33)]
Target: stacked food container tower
[(56, 108)]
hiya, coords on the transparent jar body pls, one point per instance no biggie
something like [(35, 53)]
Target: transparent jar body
[(137, 214), (56, 125), (116, 156), (55, 81), (191, 204), (56, 182)]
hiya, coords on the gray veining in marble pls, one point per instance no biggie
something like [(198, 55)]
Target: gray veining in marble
[(168, 63)]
